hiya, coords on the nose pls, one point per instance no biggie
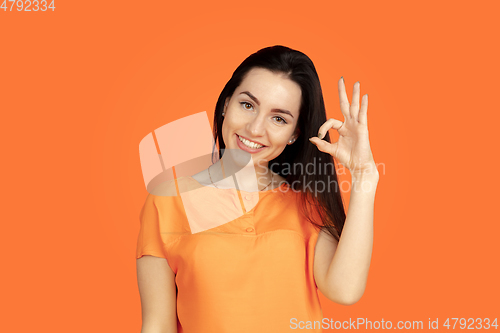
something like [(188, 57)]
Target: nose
[(257, 125)]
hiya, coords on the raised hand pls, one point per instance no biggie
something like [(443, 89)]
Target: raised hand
[(352, 149)]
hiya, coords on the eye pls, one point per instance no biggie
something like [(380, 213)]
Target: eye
[(283, 119), (244, 104)]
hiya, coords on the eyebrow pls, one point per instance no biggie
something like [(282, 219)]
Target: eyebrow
[(258, 103)]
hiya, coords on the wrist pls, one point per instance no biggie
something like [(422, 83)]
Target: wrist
[(368, 174), (365, 182)]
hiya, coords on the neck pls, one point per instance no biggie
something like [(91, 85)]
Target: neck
[(241, 170)]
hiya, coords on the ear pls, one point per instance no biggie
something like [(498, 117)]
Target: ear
[(295, 136)]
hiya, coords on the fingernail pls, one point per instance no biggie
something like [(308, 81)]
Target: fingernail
[(342, 78), (319, 135)]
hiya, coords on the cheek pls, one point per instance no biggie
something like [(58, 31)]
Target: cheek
[(228, 126), (281, 138), (278, 143), (233, 121)]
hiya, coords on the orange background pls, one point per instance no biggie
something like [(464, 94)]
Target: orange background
[(81, 86)]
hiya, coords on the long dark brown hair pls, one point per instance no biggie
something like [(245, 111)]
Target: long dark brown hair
[(299, 68)]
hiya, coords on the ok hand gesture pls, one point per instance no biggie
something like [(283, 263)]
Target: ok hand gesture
[(352, 149)]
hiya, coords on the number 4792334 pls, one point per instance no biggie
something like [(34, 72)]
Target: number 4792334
[(27, 5)]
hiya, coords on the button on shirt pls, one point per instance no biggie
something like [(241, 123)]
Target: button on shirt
[(243, 265)]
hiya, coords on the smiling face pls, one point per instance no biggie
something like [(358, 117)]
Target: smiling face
[(263, 110)]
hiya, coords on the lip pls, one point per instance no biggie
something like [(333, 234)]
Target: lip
[(252, 140), (245, 148)]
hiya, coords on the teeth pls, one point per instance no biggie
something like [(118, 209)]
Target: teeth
[(249, 144)]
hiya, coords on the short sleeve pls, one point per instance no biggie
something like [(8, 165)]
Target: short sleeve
[(149, 241)]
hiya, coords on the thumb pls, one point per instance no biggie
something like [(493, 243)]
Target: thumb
[(324, 146)]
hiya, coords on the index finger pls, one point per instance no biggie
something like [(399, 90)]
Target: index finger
[(330, 123)]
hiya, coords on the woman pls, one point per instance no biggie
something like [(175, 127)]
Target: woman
[(260, 271)]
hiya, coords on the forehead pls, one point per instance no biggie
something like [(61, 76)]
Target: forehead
[(271, 89)]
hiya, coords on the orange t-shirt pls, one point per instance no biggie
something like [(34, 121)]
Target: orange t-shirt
[(253, 273)]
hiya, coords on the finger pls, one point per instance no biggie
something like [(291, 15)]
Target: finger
[(330, 123), (344, 102), (326, 147), (354, 109), (362, 117)]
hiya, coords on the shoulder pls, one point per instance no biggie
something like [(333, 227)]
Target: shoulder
[(166, 189), (165, 197), (166, 206)]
